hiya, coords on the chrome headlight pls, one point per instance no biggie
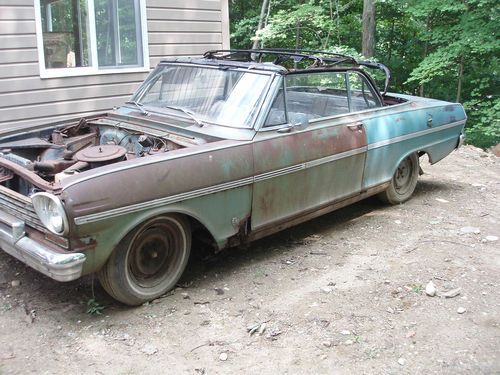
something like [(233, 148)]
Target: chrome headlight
[(50, 210)]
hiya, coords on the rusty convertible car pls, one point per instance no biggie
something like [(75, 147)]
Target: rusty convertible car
[(231, 146)]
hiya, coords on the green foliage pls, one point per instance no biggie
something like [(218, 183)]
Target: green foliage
[(244, 16), (439, 48), (243, 30), (6, 307), (437, 64), (94, 307), (483, 113), (462, 37), (417, 288), (322, 24), (304, 26)]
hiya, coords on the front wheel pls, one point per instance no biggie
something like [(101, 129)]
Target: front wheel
[(149, 261), (403, 182)]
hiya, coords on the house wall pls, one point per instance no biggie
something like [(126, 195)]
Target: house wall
[(175, 28)]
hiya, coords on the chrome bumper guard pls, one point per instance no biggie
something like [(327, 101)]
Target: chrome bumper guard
[(59, 266)]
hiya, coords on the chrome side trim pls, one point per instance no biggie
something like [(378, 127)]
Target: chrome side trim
[(278, 172), (163, 201), (213, 189), (328, 159), (249, 180), (309, 164), (169, 157), (405, 137)]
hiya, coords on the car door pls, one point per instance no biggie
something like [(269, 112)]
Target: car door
[(310, 152)]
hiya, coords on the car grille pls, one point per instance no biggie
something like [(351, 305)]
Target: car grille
[(21, 207)]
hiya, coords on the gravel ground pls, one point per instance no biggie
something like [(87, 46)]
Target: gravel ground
[(342, 294)]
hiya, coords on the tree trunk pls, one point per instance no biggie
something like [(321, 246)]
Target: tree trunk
[(428, 26), (368, 44), (265, 21), (262, 17), (391, 40), (426, 47), (297, 35), (460, 79)]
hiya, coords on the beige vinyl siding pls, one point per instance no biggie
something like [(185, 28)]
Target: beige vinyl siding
[(175, 28), (17, 41)]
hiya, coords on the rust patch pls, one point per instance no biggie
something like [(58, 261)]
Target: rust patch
[(241, 237)]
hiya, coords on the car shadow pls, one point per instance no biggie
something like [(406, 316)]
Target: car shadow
[(231, 259), (427, 187), (41, 293)]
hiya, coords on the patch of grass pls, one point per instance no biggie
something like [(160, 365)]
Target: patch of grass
[(417, 288), (94, 307), (6, 307), (371, 354)]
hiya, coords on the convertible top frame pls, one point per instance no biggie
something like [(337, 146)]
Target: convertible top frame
[(319, 59)]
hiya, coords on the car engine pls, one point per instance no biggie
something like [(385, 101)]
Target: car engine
[(53, 155)]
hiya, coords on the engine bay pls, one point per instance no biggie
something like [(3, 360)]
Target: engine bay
[(34, 161)]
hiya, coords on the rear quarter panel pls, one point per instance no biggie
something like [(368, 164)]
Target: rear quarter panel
[(397, 131)]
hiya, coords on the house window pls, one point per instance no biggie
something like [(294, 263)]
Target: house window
[(78, 37)]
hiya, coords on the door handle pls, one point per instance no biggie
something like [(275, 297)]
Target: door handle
[(429, 120), (358, 126)]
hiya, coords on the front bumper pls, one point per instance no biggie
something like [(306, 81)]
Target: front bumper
[(60, 266)]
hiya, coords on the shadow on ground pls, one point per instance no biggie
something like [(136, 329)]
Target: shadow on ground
[(51, 294)]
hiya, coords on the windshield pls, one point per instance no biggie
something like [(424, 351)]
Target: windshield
[(221, 96)]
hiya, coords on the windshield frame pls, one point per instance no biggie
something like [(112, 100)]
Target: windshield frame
[(260, 104)]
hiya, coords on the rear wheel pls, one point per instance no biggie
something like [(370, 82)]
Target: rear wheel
[(403, 182), (149, 261)]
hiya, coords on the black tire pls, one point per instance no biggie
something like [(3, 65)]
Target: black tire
[(149, 261), (403, 182)]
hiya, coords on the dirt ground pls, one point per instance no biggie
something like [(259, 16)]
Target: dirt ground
[(342, 294)]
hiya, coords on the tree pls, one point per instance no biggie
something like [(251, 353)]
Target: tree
[(462, 48), (368, 42), (264, 9), (446, 49)]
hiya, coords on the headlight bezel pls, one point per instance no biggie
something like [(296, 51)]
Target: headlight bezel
[(41, 201)]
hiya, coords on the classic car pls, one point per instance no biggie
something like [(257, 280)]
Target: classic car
[(230, 147)]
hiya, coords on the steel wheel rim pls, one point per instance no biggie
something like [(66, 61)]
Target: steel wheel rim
[(155, 255), (403, 176)]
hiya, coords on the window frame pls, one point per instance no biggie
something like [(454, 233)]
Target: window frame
[(274, 92), (371, 88), (283, 82), (345, 73), (94, 68)]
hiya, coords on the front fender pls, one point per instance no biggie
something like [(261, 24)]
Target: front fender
[(220, 213)]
